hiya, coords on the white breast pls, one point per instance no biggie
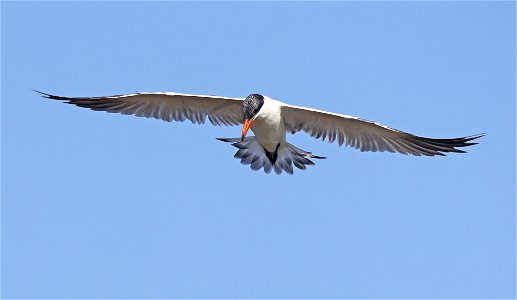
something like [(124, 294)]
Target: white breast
[(269, 127)]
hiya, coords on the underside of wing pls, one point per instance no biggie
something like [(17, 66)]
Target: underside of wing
[(165, 106), (366, 135)]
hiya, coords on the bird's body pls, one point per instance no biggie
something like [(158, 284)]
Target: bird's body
[(270, 120), (269, 127)]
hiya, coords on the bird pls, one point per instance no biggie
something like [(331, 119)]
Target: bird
[(271, 120)]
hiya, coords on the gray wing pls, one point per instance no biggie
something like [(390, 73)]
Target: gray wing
[(366, 135), (165, 106)]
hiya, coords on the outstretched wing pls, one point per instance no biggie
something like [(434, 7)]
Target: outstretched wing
[(366, 135), (165, 106)]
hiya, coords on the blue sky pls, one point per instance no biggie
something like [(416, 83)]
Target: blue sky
[(104, 205)]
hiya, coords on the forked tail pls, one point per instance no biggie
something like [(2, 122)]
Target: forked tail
[(252, 153)]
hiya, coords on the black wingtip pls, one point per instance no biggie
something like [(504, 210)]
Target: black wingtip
[(50, 96), (44, 95), (467, 139), (473, 137)]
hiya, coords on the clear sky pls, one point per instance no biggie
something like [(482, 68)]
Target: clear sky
[(105, 205)]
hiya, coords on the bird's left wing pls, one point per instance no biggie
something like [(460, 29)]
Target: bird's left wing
[(165, 106), (366, 135)]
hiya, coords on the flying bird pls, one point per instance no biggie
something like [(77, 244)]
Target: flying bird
[(270, 120)]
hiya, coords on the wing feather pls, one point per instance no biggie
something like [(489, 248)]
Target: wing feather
[(165, 106), (365, 135)]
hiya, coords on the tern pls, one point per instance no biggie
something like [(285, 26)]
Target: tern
[(270, 120)]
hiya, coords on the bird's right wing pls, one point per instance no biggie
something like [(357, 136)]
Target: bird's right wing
[(366, 135), (165, 106)]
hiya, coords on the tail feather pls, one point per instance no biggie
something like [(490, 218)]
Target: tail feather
[(252, 153)]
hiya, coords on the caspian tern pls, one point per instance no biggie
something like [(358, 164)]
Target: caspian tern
[(270, 120)]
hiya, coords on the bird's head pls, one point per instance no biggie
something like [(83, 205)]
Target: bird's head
[(250, 108)]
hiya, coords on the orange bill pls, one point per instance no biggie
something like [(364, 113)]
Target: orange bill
[(247, 125)]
